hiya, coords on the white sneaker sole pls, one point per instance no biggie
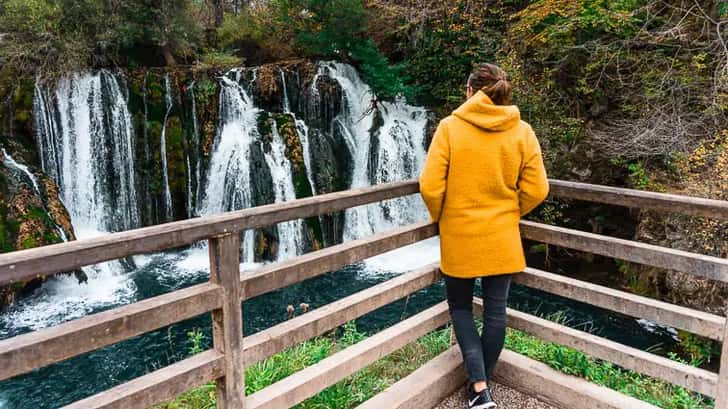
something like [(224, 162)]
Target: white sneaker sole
[(489, 405)]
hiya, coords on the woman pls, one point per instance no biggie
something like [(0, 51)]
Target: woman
[(484, 170)]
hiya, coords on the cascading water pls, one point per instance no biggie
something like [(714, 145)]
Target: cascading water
[(290, 234), (194, 198), (27, 174), (85, 132), (31, 180), (398, 150), (163, 148), (228, 179)]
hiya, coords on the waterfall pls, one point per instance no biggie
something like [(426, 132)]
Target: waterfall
[(192, 204), (30, 177), (163, 149), (85, 137), (11, 163), (290, 234), (228, 180), (396, 145)]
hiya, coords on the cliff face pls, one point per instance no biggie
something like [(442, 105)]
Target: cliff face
[(176, 120)]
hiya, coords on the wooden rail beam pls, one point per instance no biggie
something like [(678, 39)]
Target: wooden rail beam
[(26, 352), (694, 321), (306, 383), (557, 388), (227, 322), (297, 269), (426, 387), (696, 379), (46, 260), (712, 268), (330, 316), (721, 401), (693, 206), (158, 386)]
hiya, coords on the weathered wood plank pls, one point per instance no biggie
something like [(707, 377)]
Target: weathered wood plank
[(295, 270), (697, 322), (562, 391), (696, 379), (296, 388), (330, 316), (41, 261), (26, 352), (227, 322), (721, 401), (158, 386), (693, 206), (425, 387), (713, 268)]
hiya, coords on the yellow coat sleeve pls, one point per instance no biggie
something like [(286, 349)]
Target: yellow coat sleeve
[(533, 183), (433, 180)]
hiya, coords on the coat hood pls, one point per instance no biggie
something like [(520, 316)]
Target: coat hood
[(480, 111)]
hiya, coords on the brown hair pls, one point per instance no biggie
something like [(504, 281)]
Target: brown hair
[(493, 81)]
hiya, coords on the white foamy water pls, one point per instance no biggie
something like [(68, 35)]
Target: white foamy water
[(399, 152), (163, 148), (228, 180), (290, 234), (405, 259), (11, 163), (75, 125)]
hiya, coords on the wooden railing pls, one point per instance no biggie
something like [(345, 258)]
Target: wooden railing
[(223, 294)]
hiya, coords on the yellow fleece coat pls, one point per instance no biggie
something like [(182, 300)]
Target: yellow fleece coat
[(484, 170)]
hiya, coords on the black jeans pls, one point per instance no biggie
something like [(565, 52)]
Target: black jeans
[(480, 353)]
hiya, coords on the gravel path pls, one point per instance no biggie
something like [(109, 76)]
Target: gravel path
[(506, 398)]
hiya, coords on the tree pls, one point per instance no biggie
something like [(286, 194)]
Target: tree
[(168, 25)]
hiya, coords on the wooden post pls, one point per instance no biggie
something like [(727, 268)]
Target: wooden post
[(721, 401), (227, 322)]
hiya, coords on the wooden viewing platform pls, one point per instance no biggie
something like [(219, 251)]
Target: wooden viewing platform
[(223, 294)]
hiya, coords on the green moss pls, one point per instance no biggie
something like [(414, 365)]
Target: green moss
[(28, 243), (265, 128), (205, 90)]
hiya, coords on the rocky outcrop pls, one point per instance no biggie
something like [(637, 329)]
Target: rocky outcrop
[(31, 215)]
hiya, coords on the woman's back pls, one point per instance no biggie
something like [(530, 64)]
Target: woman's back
[(484, 170)]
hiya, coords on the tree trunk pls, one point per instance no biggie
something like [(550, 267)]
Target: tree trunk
[(168, 56), (219, 6)]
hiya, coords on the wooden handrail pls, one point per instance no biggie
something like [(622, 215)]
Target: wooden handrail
[(158, 386), (228, 286), (693, 206), (23, 353), (663, 313), (710, 267)]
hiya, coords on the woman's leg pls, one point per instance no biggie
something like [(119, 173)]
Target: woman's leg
[(495, 297), (460, 302)]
